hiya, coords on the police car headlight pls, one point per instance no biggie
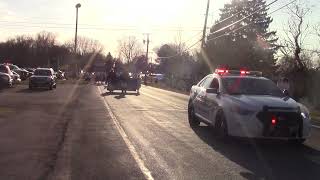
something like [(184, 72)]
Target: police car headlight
[(304, 111), (305, 115)]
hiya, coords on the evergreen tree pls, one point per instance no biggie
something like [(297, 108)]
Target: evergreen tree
[(243, 42)]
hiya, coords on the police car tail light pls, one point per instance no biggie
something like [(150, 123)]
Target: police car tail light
[(274, 121), (243, 72)]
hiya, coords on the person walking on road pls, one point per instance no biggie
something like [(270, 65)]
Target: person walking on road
[(284, 84)]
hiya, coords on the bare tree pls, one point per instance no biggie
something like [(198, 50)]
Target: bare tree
[(297, 32), (179, 44), (129, 48), (86, 45), (45, 40)]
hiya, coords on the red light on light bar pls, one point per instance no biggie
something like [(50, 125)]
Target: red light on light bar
[(273, 121), (243, 72), (221, 71)]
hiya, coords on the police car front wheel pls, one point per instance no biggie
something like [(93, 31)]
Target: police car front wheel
[(193, 121)]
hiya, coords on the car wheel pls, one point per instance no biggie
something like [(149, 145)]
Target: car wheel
[(297, 142), (193, 121), (221, 126)]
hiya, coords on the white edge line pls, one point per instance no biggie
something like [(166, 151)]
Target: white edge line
[(146, 172), (314, 126)]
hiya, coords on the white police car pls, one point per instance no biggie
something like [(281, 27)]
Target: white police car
[(244, 104)]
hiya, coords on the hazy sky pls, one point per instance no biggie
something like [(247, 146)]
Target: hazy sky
[(109, 20)]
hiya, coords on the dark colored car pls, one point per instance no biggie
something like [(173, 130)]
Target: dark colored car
[(5, 80), (43, 77)]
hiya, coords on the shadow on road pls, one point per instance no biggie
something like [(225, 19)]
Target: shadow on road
[(119, 95), (266, 159), (32, 91)]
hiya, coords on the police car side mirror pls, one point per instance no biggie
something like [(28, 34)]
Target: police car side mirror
[(286, 92), (212, 91)]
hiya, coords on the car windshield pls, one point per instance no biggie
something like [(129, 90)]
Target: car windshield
[(14, 67), (42, 73), (250, 86)]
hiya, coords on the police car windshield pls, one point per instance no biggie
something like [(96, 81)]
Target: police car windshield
[(250, 86), (42, 73)]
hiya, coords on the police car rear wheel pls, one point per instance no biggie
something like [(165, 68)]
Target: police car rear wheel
[(297, 141), (193, 121)]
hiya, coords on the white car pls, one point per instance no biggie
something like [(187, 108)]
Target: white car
[(244, 104)]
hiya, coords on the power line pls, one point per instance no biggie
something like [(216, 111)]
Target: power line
[(188, 48), (93, 28), (246, 17), (25, 23), (235, 30), (225, 19), (233, 24), (199, 33)]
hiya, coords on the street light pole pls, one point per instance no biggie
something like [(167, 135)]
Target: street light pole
[(76, 34)]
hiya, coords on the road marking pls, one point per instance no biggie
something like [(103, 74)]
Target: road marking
[(318, 127), (166, 91), (159, 99), (146, 172)]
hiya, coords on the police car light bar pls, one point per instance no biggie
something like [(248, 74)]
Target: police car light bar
[(238, 72)]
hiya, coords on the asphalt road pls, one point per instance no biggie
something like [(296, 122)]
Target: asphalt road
[(156, 124), (83, 132), (61, 134)]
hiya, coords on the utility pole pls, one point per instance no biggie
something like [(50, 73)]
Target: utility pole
[(205, 26), (76, 34), (147, 56), (147, 42)]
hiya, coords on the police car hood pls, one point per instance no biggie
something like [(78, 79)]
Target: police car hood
[(258, 101)]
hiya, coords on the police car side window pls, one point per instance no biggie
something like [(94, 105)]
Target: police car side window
[(215, 84), (202, 82), (207, 82)]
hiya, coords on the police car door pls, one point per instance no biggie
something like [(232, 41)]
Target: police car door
[(210, 101), (196, 97), (202, 104)]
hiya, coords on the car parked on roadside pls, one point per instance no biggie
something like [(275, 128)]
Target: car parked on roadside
[(16, 77), (4, 68), (23, 73), (43, 77), (245, 104), (5, 80)]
